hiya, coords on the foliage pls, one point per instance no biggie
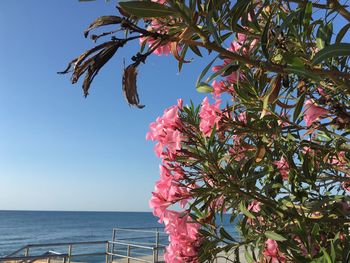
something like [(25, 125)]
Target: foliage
[(276, 157)]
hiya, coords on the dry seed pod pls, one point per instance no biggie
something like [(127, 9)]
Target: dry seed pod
[(129, 86)]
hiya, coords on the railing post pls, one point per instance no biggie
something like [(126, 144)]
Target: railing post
[(70, 247), (157, 244), (113, 239), (154, 255), (107, 251), (26, 252), (128, 253)]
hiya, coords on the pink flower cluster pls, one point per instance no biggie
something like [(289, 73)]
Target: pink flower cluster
[(183, 233), (157, 26), (183, 236), (168, 190), (313, 112), (210, 116), (242, 46), (283, 167), (165, 131), (272, 252)]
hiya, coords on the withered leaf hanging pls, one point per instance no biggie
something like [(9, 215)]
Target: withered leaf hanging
[(103, 21), (129, 86), (92, 65)]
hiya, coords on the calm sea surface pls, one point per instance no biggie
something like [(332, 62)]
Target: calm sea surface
[(19, 228)]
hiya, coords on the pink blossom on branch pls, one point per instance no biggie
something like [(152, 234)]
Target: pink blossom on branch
[(210, 116), (272, 252), (165, 131), (283, 167), (313, 112)]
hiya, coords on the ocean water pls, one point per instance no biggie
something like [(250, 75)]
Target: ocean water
[(19, 228)]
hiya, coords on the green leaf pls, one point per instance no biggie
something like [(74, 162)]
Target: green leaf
[(333, 255), (147, 9), (231, 66), (248, 257), (342, 33), (245, 211), (205, 70), (265, 37), (284, 25), (204, 88), (307, 16), (237, 12), (326, 256), (319, 43), (293, 60), (226, 235), (301, 71), (212, 28), (335, 50), (298, 107), (315, 230), (196, 50), (273, 235)]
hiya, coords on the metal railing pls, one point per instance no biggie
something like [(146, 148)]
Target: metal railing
[(113, 249)]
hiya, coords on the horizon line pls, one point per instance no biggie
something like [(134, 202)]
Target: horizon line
[(91, 211)]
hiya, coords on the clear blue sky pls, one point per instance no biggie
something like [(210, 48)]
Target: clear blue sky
[(59, 151)]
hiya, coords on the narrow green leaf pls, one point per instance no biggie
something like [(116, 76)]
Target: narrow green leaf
[(333, 255), (212, 29), (204, 88), (342, 33), (245, 211), (147, 9), (265, 37), (205, 70), (301, 71), (307, 16), (326, 256), (226, 235), (273, 235), (237, 12), (221, 71), (335, 50), (299, 107), (248, 257), (196, 50), (284, 25)]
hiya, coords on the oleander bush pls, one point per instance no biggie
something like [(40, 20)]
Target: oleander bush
[(269, 145)]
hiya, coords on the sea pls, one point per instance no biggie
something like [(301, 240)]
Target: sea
[(19, 228)]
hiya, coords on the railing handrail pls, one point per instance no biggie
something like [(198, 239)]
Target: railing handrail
[(135, 245), (57, 245), (34, 257), (139, 230)]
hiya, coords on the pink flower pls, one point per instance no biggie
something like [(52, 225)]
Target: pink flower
[(183, 236), (254, 206), (321, 91), (242, 117), (346, 185), (221, 87), (283, 167), (210, 115), (242, 46), (313, 112), (272, 253), (157, 26), (165, 131)]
